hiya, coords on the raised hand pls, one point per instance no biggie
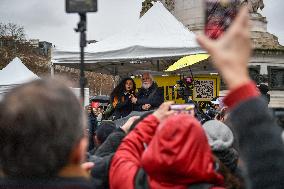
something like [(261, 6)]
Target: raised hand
[(164, 111), (231, 52)]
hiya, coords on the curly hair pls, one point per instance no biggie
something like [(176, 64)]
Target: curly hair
[(120, 88)]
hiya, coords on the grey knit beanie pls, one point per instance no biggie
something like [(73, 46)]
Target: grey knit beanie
[(220, 136)]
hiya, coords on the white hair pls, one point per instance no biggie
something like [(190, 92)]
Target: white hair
[(150, 75), (147, 85)]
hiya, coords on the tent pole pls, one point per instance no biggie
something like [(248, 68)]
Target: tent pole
[(158, 65), (192, 76)]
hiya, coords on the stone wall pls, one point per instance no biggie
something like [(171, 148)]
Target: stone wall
[(264, 40), (190, 13)]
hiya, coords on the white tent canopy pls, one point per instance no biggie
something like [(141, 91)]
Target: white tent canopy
[(157, 35), (16, 73), (13, 74)]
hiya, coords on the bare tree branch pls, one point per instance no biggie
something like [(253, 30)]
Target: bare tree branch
[(12, 30)]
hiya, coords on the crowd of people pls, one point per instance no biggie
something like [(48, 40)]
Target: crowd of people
[(44, 143)]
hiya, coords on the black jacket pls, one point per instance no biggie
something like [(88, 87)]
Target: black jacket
[(54, 183), (100, 172), (124, 106), (103, 157), (111, 144), (92, 128), (153, 96), (260, 144)]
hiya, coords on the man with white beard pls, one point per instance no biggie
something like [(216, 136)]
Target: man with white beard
[(149, 97)]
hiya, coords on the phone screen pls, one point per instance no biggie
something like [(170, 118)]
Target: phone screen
[(219, 16), (182, 107)]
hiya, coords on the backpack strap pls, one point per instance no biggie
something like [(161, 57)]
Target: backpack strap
[(141, 181), (100, 172), (200, 186)]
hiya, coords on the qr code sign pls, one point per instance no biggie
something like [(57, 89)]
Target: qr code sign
[(204, 89)]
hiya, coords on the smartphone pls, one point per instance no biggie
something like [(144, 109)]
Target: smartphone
[(219, 14), (182, 107)]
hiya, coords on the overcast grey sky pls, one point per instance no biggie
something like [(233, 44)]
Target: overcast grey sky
[(47, 20)]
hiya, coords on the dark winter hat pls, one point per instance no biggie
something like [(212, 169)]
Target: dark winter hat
[(228, 157), (104, 130), (219, 135)]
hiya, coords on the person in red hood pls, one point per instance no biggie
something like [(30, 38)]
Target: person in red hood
[(165, 150)]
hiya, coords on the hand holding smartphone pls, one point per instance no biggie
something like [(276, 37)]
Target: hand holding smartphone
[(219, 14), (236, 43), (183, 108)]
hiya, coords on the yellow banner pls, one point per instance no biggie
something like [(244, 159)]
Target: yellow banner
[(206, 87)]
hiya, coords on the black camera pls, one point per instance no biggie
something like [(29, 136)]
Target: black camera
[(211, 112), (180, 82), (81, 6), (184, 87)]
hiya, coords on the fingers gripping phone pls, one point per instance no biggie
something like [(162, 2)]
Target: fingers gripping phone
[(219, 14), (188, 108), (182, 107)]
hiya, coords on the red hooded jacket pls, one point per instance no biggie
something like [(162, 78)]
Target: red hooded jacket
[(177, 155)]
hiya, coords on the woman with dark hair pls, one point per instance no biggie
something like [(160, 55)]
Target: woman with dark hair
[(120, 98)]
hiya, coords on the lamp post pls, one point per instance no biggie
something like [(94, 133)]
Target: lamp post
[(82, 28), (82, 7)]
